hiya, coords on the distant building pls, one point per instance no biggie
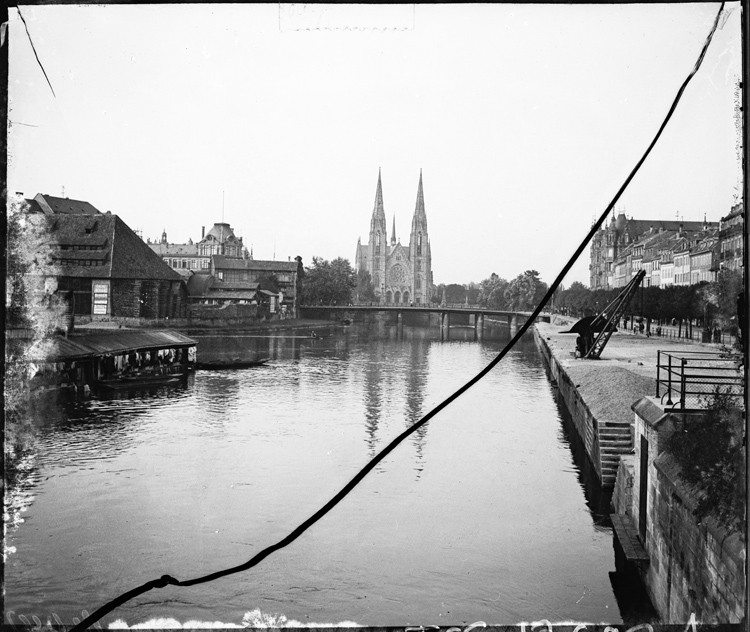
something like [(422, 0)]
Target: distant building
[(220, 240), (607, 269), (731, 244), (102, 268), (232, 280), (400, 274)]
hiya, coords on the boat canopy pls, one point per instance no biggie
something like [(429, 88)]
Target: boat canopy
[(59, 349)]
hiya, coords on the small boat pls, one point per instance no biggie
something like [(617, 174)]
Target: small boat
[(233, 363), (140, 381)]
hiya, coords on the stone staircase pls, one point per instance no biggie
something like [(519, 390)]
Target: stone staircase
[(614, 439)]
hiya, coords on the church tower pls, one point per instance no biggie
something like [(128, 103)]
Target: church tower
[(401, 274), (378, 244), (419, 251)]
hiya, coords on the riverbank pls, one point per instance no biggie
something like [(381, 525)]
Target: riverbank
[(259, 326), (687, 566), (600, 393)]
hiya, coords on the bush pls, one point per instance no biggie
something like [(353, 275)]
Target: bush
[(710, 450)]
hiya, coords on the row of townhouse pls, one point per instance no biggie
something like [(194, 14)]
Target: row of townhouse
[(670, 258), (670, 253)]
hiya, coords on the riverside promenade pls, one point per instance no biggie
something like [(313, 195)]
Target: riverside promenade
[(600, 393)]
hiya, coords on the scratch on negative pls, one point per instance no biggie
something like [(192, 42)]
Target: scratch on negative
[(35, 53)]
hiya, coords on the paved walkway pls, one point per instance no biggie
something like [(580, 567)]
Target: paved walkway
[(625, 372)]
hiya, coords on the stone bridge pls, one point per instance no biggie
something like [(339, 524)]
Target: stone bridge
[(442, 316)]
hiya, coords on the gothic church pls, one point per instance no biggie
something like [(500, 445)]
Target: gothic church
[(400, 274)]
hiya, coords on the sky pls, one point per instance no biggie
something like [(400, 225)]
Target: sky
[(524, 120)]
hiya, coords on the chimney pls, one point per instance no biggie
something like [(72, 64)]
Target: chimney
[(203, 232)]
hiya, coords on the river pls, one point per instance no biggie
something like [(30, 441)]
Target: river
[(484, 514)]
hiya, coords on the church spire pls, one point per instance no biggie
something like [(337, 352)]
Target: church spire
[(420, 196), (419, 220), (378, 208), (393, 231)]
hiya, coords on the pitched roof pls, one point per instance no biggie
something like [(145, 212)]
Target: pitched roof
[(235, 294), (234, 285), (106, 238), (636, 227), (133, 259), (220, 232), (34, 206), (55, 205), (174, 250), (221, 262)]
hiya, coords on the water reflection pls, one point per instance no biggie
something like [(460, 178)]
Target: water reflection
[(198, 479), (372, 394)]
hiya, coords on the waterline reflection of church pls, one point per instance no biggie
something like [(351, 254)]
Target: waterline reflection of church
[(400, 274)]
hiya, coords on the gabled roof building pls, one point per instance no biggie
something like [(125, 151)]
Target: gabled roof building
[(102, 268)]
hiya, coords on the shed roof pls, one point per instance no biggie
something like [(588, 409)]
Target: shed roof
[(221, 262), (231, 294), (59, 349)]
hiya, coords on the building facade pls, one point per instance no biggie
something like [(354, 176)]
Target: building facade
[(196, 257), (731, 230), (617, 240), (401, 274)]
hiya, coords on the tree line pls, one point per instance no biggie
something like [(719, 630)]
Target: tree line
[(707, 304)]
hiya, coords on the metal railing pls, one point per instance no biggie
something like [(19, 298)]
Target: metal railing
[(688, 379), (673, 333)]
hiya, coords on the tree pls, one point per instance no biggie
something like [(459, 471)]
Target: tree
[(473, 292), (525, 292), (365, 288), (269, 282), (455, 293), (329, 282), (493, 291), (439, 294)]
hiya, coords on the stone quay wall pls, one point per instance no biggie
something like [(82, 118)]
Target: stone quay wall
[(583, 419), (599, 393), (694, 568)]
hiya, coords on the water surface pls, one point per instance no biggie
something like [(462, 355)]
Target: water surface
[(480, 515)]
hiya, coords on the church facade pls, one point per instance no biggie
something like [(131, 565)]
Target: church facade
[(401, 274)]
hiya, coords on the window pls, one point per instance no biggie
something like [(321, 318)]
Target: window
[(221, 275)]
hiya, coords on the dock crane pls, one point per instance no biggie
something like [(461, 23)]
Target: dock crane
[(595, 331)]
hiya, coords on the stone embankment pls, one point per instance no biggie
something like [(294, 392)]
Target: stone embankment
[(185, 325), (600, 393)]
